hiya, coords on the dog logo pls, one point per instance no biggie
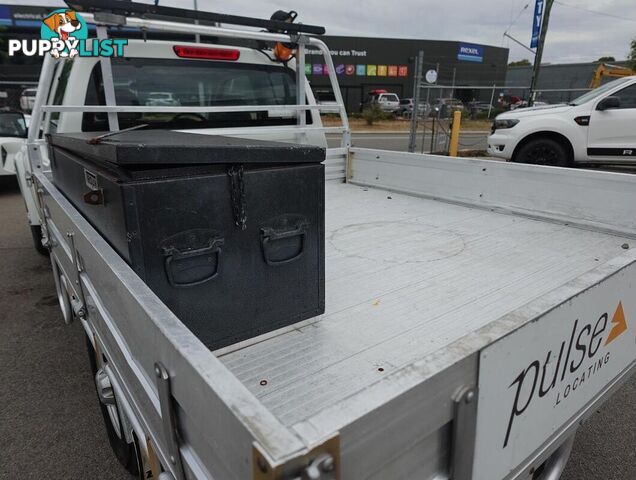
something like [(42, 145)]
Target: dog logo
[(64, 28), (64, 34)]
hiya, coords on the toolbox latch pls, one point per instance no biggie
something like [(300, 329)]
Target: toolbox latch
[(94, 197)]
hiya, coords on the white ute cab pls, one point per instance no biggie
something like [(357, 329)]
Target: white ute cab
[(598, 127)]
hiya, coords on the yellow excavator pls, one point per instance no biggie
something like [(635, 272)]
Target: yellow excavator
[(608, 70)]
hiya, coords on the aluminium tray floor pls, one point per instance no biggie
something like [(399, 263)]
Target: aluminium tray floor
[(406, 276)]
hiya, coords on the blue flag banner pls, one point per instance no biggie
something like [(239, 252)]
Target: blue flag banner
[(536, 23)]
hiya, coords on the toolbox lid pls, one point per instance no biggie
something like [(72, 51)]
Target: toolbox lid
[(169, 147)]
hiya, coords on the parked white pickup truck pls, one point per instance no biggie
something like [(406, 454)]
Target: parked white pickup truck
[(596, 128), (476, 312)]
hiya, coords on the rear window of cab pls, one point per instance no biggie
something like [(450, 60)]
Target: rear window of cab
[(157, 82)]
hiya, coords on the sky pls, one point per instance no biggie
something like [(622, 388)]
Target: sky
[(575, 34)]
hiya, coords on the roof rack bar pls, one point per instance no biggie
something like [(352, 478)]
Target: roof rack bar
[(185, 109), (133, 9), (189, 28)]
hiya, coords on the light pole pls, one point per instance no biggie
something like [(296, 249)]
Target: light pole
[(417, 82), (197, 37)]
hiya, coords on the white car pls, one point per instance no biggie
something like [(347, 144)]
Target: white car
[(388, 102), (597, 127), (13, 134), (162, 99), (27, 99), (524, 104)]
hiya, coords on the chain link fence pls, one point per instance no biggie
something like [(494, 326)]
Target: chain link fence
[(430, 130)]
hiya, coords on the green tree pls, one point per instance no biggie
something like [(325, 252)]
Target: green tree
[(373, 114), (632, 55), (521, 63), (606, 59)]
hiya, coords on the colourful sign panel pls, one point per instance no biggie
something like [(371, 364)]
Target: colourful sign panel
[(360, 70)]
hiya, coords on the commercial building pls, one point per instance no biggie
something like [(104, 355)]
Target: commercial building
[(365, 63), (361, 63)]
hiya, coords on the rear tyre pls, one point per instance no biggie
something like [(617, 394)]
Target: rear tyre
[(36, 234), (543, 151), (125, 452)]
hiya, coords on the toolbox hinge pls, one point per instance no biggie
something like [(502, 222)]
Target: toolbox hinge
[(237, 190), (319, 463), (169, 420), (464, 430)]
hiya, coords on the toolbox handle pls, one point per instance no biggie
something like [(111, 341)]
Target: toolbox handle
[(175, 257), (269, 237)]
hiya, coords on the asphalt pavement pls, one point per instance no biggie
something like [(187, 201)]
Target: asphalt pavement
[(50, 423)]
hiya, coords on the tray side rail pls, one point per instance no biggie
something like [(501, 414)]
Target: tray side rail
[(599, 200), (218, 420)]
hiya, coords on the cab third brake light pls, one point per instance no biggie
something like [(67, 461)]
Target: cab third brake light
[(206, 53)]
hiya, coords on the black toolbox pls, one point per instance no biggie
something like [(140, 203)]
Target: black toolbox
[(228, 232)]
